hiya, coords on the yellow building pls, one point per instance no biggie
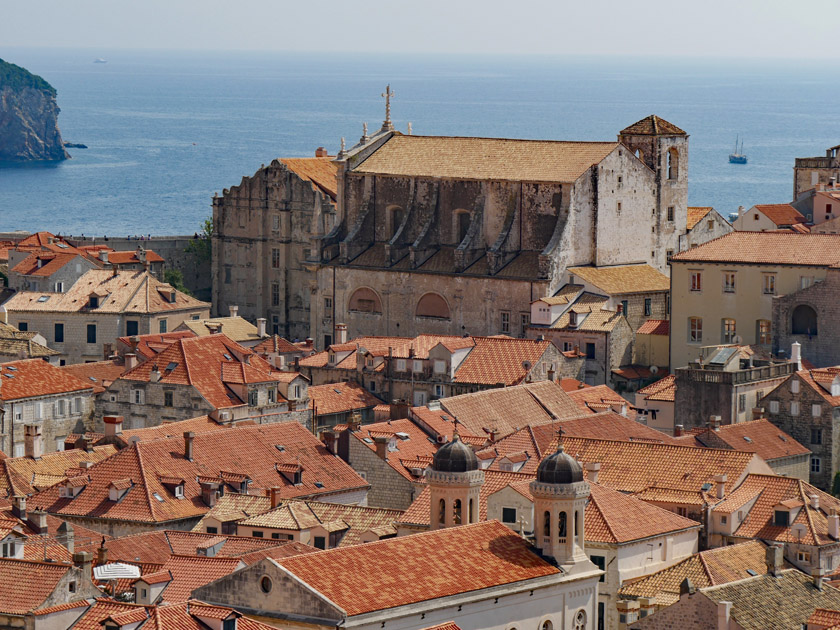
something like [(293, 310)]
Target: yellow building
[(722, 291)]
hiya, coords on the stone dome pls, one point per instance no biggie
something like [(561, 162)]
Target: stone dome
[(455, 456), (559, 468)]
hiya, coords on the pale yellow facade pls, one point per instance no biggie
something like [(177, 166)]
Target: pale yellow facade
[(719, 297)]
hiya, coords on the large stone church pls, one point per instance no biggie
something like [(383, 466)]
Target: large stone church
[(404, 234)]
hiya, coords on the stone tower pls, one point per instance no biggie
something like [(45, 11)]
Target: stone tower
[(560, 495), (455, 481), (663, 147)]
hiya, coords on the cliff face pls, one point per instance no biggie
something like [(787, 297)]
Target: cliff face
[(28, 117)]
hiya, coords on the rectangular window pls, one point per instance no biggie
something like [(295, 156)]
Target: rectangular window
[(696, 281), (59, 443), (600, 562), (319, 542), (670, 213), (59, 287), (372, 386), (763, 332), (18, 450), (508, 515), (77, 404), (781, 518), (58, 333), (816, 464), (803, 556), (769, 285), (275, 294), (167, 398), (212, 530), (816, 410), (60, 407), (327, 308), (727, 333), (162, 326), (139, 396), (417, 365), (624, 305), (23, 326), (439, 392), (132, 327), (505, 322), (91, 333), (524, 322), (253, 398), (275, 221), (816, 436), (723, 519), (729, 282), (794, 386), (794, 408), (774, 406), (227, 275), (647, 306), (275, 258), (742, 403), (590, 350), (272, 395), (400, 365), (256, 533), (568, 346)]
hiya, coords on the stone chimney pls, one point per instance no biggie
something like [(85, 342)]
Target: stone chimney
[(328, 438), (103, 255), (592, 470), (796, 354), (83, 560), (628, 609), (154, 375), (321, 152), (189, 438), (720, 486), (19, 507), (67, 536), (209, 493), (647, 606), (261, 322), (32, 441), (141, 254), (38, 521), (815, 501), (773, 559), (341, 333), (274, 494), (381, 444), (758, 413), (714, 423), (678, 430), (834, 525), (817, 576), (102, 553), (234, 311), (724, 611), (741, 211), (354, 422), (113, 425)]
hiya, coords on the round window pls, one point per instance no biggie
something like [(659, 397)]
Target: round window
[(265, 584)]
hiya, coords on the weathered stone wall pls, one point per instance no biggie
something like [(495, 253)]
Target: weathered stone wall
[(388, 488), (810, 172), (703, 232), (55, 426)]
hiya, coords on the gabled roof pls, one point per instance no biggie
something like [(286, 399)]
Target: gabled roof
[(500, 360), (130, 257), (255, 451), (606, 425), (695, 215), (767, 248), (659, 327), (23, 476), (340, 398), (150, 345), (18, 343), (190, 572), (320, 172), (623, 279), (237, 329), (488, 554), (493, 159), (652, 126), (25, 585), (756, 436), (410, 443), (707, 568), (277, 345), (43, 264), (35, 377), (820, 379), (126, 291), (663, 390), (597, 398), (100, 374), (782, 214)]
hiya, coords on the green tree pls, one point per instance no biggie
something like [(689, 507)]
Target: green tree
[(202, 244), (175, 278), (835, 486)]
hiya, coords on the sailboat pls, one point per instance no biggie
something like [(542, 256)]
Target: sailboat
[(738, 157)]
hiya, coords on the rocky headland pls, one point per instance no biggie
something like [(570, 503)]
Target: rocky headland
[(28, 117)]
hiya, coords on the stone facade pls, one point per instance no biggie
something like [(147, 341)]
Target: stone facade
[(710, 227), (810, 172), (811, 317), (262, 232), (55, 417), (59, 281)]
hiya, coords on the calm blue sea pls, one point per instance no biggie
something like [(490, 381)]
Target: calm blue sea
[(166, 130)]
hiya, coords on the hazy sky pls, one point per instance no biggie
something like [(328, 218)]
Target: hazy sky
[(719, 28)]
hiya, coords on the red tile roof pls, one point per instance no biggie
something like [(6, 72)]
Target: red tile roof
[(42, 264), (499, 360), (655, 327), (488, 554), (695, 215), (23, 475), (782, 214), (597, 398), (277, 345), (664, 389), (253, 450), (606, 425), (190, 572), (99, 374), (769, 248), (150, 345), (320, 172), (130, 257), (340, 398), (35, 377), (25, 585), (410, 443), (756, 436)]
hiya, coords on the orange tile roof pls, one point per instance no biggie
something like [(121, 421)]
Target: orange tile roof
[(495, 159), (769, 248), (756, 436), (19, 475), (488, 554), (819, 379), (623, 279), (771, 491), (497, 360), (605, 425), (99, 374), (781, 213), (571, 384), (130, 257), (150, 345), (35, 377), (190, 572), (321, 172), (707, 568), (252, 450), (518, 447), (410, 443), (340, 398), (42, 264), (655, 327), (25, 585), (201, 362), (597, 397), (652, 126), (695, 215), (824, 618), (664, 389), (199, 424), (448, 625), (277, 345)]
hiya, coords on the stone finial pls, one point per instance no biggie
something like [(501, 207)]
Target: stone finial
[(387, 94), (343, 152), (365, 137), (409, 128)]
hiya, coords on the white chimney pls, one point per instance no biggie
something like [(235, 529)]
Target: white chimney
[(720, 486), (130, 361), (32, 441), (261, 327), (796, 354), (741, 210), (592, 469), (154, 375), (724, 610), (113, 425), (103, 255), (834, 525), (234, 311), (815, 501), (341, 333)]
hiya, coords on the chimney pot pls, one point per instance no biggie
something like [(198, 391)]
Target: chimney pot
[(274, 493), (834, 525), (714, 423), (234, 311), (32, 441), (113, 425), (321, 152), (38, 521), (381, 444), (102, 553), (720, 486), (83, 560), (815, 501), (678, 430), (261, 322), (773, 559), (189, 437), (757, 413), (154, 375), (724, 611), (796, 354), (592, 470), (341, 333), (19, 507)]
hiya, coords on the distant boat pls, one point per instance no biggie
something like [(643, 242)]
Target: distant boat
[(100, 60), (738, 157)]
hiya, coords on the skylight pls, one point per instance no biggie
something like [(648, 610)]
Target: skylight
[(280, 447), (171, 366), (227, 356), (337, 391), (62, 245), (9, 375), (157, 496), (748, 438), (318, 484), (12, 368), (43, 298)]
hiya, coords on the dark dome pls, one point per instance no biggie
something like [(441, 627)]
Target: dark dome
[(455, 456), (559, 468)]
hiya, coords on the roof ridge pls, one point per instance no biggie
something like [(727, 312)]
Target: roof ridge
[(604, 517), (144, 480), (706, 568), (808, 513)]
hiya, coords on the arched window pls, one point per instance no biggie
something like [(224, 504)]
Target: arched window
[(464, 220), (580, 620), (804, 320), (547, 524), (456, 512), (365, 300), (562, 529), (432, 305), (472, 517), (442, 512), (547, 625), (640, 155), (397, 216), (673, 164)]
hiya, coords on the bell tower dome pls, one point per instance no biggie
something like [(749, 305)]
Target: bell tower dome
[(455, 481)]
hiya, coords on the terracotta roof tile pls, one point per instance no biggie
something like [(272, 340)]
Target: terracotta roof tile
[(130, 257), (407, 443), (695, 214), (496, 360), (237, 329), (150, 345), (321, 172), (756, 436), (782, 214), (276, 345), (664, 389), (601, 396), (621, 279), (18, 475), (35, 377), (25, 585), (769, 248), (99, 374), (340, 398), (606, 425), (41, 264), (489, 554), (655, 327), (652, 126), (495, 159)]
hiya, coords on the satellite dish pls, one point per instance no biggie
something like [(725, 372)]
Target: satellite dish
[(653, 369), (799, 530), (526, 365), (737, 339)]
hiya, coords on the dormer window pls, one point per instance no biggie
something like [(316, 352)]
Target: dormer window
[(573, 319), (118, 488), (781, 518), (172, 296), (93, 301)]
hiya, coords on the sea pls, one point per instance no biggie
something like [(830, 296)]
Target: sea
[(165, 131)]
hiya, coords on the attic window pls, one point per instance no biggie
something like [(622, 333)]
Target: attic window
[(9, 375), (367, 440), (280, 447), (781, 518), (748, 439), (93, 301), (171, 366), (318, 484), (43, 298), (12, 368), (227, 356), (337, 391), (157, 496)]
